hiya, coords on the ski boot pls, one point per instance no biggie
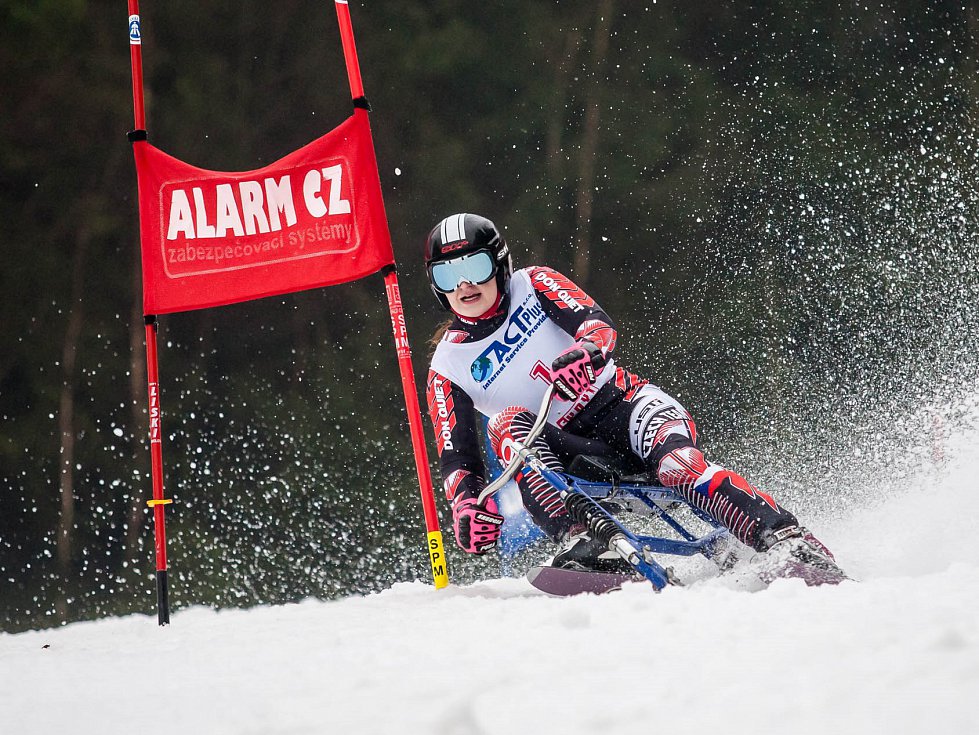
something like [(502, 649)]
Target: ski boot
[(795, 552), (582, 553), (583, 565)]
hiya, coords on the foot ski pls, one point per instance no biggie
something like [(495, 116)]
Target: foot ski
[(801, 557), (812, 575), (566, 582)]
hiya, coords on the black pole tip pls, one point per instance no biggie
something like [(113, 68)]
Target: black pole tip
[(162, 597)]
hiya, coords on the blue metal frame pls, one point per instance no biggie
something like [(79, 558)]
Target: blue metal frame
[(641, 546), (643, 563), (648, 495)]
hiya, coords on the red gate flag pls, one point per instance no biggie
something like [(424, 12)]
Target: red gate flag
[(314, 218)]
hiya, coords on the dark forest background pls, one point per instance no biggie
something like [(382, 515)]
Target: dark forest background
[(776, 200)]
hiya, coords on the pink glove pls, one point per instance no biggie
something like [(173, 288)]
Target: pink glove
[(477, 526), (575, 369)]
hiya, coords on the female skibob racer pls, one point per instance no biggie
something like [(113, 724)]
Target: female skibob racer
[(512, 334)]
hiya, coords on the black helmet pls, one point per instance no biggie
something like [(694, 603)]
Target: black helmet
[(464, 234)]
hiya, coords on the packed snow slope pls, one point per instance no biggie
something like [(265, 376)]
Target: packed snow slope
[(895, 652)]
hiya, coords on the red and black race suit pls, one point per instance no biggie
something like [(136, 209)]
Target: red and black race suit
[(500, 367)]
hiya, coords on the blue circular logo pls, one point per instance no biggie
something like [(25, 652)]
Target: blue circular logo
[(481, 368)]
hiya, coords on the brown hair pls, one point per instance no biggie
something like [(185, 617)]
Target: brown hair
[(440, 331)]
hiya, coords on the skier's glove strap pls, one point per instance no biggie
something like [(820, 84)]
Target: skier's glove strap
[(477, 526), (575, 369)]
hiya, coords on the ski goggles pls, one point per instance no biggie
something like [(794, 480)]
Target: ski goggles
[(475, 268)]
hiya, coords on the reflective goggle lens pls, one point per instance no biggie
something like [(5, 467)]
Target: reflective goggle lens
[(476, 268)]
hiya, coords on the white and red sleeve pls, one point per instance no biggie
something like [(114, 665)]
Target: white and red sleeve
[(456, 437), (572, 309)]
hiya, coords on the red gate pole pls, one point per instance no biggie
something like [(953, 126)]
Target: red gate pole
[(436, 551), (158, 502), (156, 457)]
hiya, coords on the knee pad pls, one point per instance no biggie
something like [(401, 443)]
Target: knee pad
[(541, 500), (509, 425), (684, 468), (658, 420)]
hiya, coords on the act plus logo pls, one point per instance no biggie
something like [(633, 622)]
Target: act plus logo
[(525, 320)]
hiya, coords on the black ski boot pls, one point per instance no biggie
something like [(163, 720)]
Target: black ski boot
[(582, 553)]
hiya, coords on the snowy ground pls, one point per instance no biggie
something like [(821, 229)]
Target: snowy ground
[(897, 652)]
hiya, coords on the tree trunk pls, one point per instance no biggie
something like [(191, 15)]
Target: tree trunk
[(66, 427), (137, 403), (584, 201), (554, 135)]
